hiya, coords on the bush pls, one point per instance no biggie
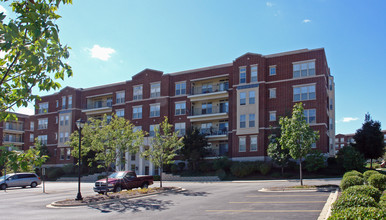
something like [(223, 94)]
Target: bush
[(382, 201), (356, 200), (359, 213), (181, 165), (369, 173), (314, 161), (156, 177), (53, 173), (265, 168), (68, 168), (222, 163), (351, 181), (221, 174), (378, 181), (353, 173), (174, 168), (205, 166), (350, 158), (365, 190), (240, 169)]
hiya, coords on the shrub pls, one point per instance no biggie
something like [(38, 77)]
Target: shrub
[(351, 181), (350, 158), (265, 168), (382, 201), (314, 161), (369, 173), (359, 213), (356, 200), (205, 166), (353, 173), (378, 181), (68, 168), (174, 168), (156, 178), (222, 163), (181, 165), (365, 190), (240, 169), (54, 173), (221, 174)]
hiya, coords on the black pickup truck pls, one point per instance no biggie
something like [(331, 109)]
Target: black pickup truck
[(122, 180)]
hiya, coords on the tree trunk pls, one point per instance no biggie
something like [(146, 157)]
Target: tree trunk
[(160, 177), (107, 180), (282, 170), (371, 163), (300, 170)]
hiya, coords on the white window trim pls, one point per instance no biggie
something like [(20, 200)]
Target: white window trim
[(272, 89), (245, 138), (186, 90), (257, 143), (303, 61), (155, 104), (137, 106), (257, 71), (240, 67), (269, 70), (270, 115), (175, 109)]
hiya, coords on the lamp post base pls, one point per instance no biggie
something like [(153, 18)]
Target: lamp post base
[(79, 197)]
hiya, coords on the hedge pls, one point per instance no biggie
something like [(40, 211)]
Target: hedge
[(369, 173), (378, 181), (356, 200), (365, 190), (353, 173), (359, 213), (351, 181)]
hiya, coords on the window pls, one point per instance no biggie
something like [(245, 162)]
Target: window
[(313, 145), (242, 121), (137, 128), (330, 84), (272, 116), (251, 97), (61, 153), (57, 103), (304, 93), (120, 112), (43, 108), (251, 120), (243, 97), (331, 104), (341, 139), (304, 69), (137, 112), (207, 88), (206, 128), (65, 136), (336, 139), (120, 96), (181, 88), (272, 70), (155, 110), (253, 146), (152, 130), (61, 120), (243, 75), (32, 126), (180, 108), (180, 127), (43, 139), (272, 93), (68, 153), (63, 102), (137, 92), (61, 137), (56, 119), (206, 108), (31, 138), (56, 135), (69, 101), (67, 120), (242, 144), (331, 124), (310, 115), (155, 90), (42, 123), (254, 73)]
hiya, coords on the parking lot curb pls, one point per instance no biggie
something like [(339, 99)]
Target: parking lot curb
[(58, 205), (326, 211)]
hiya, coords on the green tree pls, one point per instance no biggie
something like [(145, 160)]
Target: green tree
[(369, 140), (350, 159), (314, 161), (165, 145), (279, 155), (195, 147), (33, 54), (297, 136), (108, 139)]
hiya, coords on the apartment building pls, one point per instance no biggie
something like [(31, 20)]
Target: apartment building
[(234, 104), (17, 133), (342, 140)]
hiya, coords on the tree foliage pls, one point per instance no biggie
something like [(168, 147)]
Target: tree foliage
[(350, 159), (195, 147), (32, 52), (165, 145), (296, 135), (279, 155), (369, 139)]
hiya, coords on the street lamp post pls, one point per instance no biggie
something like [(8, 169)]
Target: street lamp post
[(79, 123)]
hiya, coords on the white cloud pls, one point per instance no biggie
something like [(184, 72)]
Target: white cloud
[(269, 4), (306, 21), (102, 53), (349, 119), (26, 111), (2, 9)]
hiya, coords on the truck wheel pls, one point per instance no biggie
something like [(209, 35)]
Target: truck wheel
[(145, 186), (117, 189)]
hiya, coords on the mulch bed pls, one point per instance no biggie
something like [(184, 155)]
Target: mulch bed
[(305, 187), (89, 200)]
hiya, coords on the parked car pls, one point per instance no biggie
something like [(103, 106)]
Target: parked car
[(122, 180), (19, 180)]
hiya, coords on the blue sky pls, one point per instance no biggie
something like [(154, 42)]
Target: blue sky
[(113, 40)]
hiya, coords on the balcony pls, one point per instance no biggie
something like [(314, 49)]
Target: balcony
[(209, 91), (211, 113), (98, 106), (215, 133), (14, 127), (10, 139)]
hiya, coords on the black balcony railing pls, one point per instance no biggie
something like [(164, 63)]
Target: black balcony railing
[(213, 131), (15, 139), (210, 110), (99, 104), (209, 88), (14, 126)]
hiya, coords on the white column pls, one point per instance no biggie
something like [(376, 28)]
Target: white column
[(127, 161), (141, 169)]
